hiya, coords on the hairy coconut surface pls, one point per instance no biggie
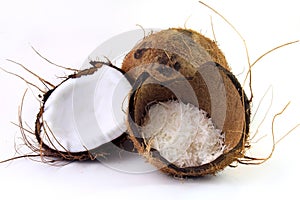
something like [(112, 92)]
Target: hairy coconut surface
[(172, 65), (174, 43), (83, 113)]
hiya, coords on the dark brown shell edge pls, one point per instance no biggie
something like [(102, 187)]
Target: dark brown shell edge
[(45, 150), (191, 172)]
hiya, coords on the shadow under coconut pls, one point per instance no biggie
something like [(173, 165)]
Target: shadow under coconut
[(123, 157)]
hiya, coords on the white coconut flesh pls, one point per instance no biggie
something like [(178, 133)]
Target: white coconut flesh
[(183, 134), (84, 113)]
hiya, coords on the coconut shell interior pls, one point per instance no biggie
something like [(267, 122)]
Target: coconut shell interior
[(234, 121)]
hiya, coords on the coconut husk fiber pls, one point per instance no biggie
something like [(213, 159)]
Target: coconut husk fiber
[(182, 70)]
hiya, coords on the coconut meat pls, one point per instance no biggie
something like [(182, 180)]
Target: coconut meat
[(182, 134), (85, 112)]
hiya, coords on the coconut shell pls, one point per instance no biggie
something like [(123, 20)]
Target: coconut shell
[(191, 76)]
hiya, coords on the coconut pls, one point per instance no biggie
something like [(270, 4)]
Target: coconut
[(77, 118), (172, 69)]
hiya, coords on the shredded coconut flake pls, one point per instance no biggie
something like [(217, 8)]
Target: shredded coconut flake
[(183, 134)]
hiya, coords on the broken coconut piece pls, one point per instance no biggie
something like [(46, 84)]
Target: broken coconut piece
[(83, 113), (147, 93), (172, 65)]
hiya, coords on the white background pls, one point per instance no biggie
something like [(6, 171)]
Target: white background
[(66, 32)]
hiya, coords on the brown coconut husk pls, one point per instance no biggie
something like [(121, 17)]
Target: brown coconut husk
[(193, 46), (161, 74)]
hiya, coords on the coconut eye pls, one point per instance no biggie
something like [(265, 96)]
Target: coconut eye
[(177, 66), (139, 53)]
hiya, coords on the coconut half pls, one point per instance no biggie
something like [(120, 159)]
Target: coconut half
[(83, 113), (174, 66), (228, 145)]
